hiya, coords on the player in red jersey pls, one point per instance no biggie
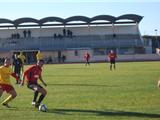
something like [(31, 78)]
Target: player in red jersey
[(112, 59), (87, 58), (32, 75)]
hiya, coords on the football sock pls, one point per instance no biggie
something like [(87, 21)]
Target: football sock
[(110, 67), (41, 98), (35, 96), (7, 100), (114, 67)]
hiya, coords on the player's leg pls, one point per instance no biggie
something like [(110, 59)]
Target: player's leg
[(34, 88), (35, 97), (110, 65), (12, 94), (114, 65), (1, 91), (37, 89), (114, 62), (41, 97), (19, 75), (88, 62), (85, 62)]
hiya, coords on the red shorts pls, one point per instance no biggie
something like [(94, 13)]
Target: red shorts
[(6, 87)]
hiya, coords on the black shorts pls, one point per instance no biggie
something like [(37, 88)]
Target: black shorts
[(17, 71), (112, 61), (31, 85)]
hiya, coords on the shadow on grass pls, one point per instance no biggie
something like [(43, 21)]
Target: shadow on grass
[(83, 85), (103, 113), (82, 75)]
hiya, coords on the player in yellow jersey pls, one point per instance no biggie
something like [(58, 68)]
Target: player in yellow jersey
[(39, 55), (5, 85), (22, 57)]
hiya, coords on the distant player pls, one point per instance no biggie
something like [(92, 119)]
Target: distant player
[(5, 85), (39, 55), (112, 59), (87, 58), (17, 66), (22, 57), (32, 75)]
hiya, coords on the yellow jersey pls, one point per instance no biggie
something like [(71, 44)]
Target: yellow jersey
[(5, 73), (22, 57), (39, 56)]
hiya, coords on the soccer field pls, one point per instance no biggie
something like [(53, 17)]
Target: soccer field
[(79, 92)]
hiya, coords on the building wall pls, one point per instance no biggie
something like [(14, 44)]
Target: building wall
[(70, 56), (5, 55)]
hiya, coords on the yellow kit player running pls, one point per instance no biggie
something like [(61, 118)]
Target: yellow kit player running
[(5, 85)]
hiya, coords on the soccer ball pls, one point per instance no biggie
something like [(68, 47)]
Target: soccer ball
[(43, 108), (158, 84)]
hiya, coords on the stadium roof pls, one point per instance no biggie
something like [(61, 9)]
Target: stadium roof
[(78, 20)]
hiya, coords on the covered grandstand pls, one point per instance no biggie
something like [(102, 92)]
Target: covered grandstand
[(71, 37)]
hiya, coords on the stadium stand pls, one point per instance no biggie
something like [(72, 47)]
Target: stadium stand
[(96, 35)]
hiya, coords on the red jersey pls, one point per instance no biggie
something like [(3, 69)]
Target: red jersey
[(112, 56), (33, 73), (87, 56)]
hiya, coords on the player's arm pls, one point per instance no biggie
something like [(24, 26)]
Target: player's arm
[(23, 79), (108, 57), (15, 76), (40, 78)]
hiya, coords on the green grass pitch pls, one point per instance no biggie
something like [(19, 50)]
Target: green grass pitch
[(79, 92)]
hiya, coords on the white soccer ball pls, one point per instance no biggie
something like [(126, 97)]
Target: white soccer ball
[(43, 108), (158, 84)]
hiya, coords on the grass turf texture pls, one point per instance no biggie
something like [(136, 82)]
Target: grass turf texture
[(79, 92)]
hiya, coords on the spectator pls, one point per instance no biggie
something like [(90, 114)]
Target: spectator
[(24, 33), (29, 33), (55, 35), (68, 33), (64, 32), (63, 58)]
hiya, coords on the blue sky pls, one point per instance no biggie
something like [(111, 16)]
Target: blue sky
[(13, 9)]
